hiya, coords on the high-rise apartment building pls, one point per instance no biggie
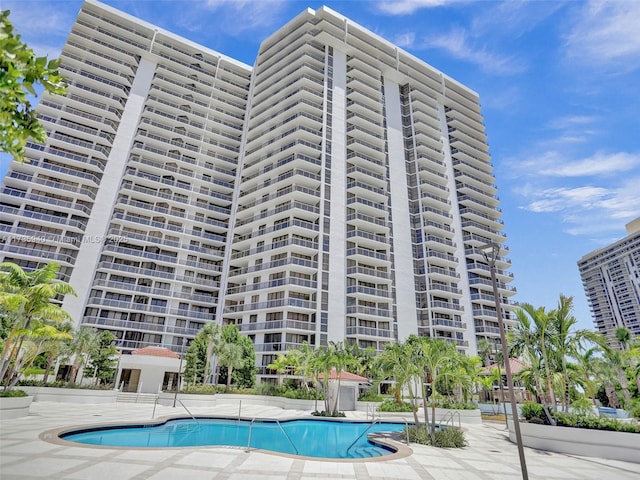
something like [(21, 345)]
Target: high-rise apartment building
[(340, 188), (611, 279)]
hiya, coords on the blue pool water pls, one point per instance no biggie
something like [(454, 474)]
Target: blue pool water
[(312, 438)]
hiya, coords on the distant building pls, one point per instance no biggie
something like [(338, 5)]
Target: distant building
[(611, 279), (340, 189)]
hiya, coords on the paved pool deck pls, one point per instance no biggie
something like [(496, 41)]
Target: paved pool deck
[(489, 455)]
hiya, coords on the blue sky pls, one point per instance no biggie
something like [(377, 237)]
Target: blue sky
[(559, 84)]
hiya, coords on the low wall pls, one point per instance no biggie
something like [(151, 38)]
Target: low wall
[(195, 400), (14, 407), (580, 441), (70, 395)]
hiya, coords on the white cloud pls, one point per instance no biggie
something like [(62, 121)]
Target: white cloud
[(554, 164), (254, 14), (587, 210), (457, 44), (571, 121), (559, 199), (598, 164), (233, 17), (405, 40), (512, 18), (606, 34), (407, 7)]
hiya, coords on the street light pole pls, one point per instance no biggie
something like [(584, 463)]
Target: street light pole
[(175, 395), (491, 258)]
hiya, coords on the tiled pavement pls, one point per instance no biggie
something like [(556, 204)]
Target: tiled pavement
[(489, 454)]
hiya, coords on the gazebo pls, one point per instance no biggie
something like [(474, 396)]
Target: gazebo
[(349, 388), (148, 370)]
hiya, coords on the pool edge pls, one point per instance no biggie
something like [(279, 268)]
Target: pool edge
[(54, 436)]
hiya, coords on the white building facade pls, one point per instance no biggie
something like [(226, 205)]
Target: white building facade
[(611, 280), (339, 189)]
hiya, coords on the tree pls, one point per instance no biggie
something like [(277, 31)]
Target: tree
[(196, 359), (245, 374), (25, 298), (566, 343), (623, 336), (532, 335), (280, 365), (84, 344), (439, 359), (398, 362), (104, 358), (230, 356), (20, 72), (36, 343)]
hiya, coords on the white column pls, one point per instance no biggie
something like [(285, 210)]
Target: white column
[(402, 245), (97, 226), (337, 246)]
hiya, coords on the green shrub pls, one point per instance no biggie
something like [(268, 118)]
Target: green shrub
[(13, 393), (634, 409), (371, 396), (446, 438), (303, 394), (393, 406), (62, 384), (32, 371), (419, 434), (583, 406), (533, 412), (456, 405), (203, 389), (449, 438), (324, 413), (594, 423)]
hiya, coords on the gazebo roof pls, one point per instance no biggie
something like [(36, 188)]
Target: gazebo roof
[(516, 365), (351, 377), (152, 351)]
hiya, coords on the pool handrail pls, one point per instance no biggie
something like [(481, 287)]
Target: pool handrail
[(279, 425), (449, 417), (190, 414), (379, 420)]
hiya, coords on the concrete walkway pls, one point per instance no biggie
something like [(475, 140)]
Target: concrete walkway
[(489, 455)]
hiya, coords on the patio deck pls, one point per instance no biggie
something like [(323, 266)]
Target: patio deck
[(490, 455)]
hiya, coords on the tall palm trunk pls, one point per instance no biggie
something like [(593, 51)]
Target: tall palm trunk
[(229, 373)]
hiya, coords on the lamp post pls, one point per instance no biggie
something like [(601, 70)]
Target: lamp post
[(491, 252), (175, 395)]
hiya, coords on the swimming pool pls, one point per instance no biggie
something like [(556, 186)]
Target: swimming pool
[(308, 437)]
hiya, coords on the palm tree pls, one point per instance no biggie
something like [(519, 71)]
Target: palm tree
[(40, 337), (398, 362), (230, 356), (566, 343), (24, 298), (210, 334), (439, 359), (533, 333), (466, 374), (54, 348), (585, 372), (623, 335), (485, 350), (85, 341), (280, 365)]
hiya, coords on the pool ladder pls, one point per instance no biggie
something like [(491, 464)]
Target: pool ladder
[(279, 425), (379, 420)]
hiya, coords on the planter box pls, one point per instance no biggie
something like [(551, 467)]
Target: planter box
[(71, 395), (442, 414), (14, 407), (580, 441)]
